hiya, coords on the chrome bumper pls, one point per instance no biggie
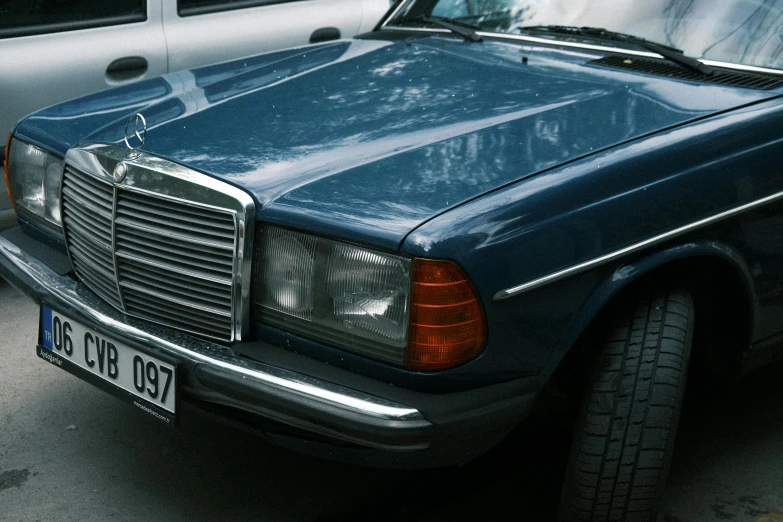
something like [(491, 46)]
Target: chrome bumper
[(36, 279)]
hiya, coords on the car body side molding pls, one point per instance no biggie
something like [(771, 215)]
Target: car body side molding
[(606, 258)]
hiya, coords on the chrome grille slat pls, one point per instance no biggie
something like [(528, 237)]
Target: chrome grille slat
[(94, 204), (97, 284), (207, 298), (134, 207), (181, 313), (95, 188), (156, 257), (171, 321), (150, 203), (183, 254), (128, 266), (94, 250), (165, 259), (154, 238), (90, 230), (130, 215), (83, 263), (86, 238), (98, 222), (190, 238), (99, 264), (185, 303), (95, 276), (199, 274)]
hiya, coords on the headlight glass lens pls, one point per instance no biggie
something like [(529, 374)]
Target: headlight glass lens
[(335, 292), (288, 272), (34, 176), (369, 292)]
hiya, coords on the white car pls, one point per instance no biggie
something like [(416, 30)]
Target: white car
[(54, 50)]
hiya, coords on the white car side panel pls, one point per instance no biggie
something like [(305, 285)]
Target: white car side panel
[(253, 30), (42, 70), (372, 11)]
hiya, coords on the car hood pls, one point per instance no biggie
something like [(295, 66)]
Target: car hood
[(368, 139)]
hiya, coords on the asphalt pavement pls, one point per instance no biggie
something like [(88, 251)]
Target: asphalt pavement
[(71, 452)]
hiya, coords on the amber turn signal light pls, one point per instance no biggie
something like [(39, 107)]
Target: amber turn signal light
[(7, 179), (447, 325)]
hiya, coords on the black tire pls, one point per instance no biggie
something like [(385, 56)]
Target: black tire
[(624, 436)]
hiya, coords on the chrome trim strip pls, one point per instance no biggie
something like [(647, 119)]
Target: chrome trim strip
[(534, 39), (586, 46), (69, 293), (582, 267), (393, 14), (740, 67)]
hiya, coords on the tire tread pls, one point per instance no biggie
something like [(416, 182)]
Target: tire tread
[(624, 441)]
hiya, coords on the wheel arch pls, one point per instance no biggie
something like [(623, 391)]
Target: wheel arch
[(722, 288)]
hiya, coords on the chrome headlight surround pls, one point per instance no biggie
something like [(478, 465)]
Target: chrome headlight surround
[(34, 177), (334, 292)]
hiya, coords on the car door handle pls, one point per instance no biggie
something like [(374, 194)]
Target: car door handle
[(127, 68), (324, 34)]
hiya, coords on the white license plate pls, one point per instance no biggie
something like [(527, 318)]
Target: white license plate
[(146, 381)]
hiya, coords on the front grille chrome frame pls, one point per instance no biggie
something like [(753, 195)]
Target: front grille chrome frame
[(223, 215)]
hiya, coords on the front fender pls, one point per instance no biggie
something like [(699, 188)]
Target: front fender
[(676, 262)]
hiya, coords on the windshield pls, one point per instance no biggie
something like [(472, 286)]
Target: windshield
[(747, 32)]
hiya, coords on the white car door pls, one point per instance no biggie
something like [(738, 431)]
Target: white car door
[(199, 32), (54, 50)]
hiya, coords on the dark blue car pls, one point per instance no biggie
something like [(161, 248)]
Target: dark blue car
[(391, 249)]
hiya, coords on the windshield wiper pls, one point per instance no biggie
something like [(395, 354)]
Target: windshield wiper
[(668, 52), (466, 30)]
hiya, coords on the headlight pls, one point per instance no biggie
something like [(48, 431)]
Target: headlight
[(33, 177), (338, 293), (422, 314)]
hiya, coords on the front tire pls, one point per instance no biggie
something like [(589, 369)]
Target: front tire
[(624, 437)]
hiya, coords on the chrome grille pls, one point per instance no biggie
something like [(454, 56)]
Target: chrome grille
[(167, 259), (156, 241), (87, 207)]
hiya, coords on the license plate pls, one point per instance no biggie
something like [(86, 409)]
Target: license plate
[(147, 382)]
